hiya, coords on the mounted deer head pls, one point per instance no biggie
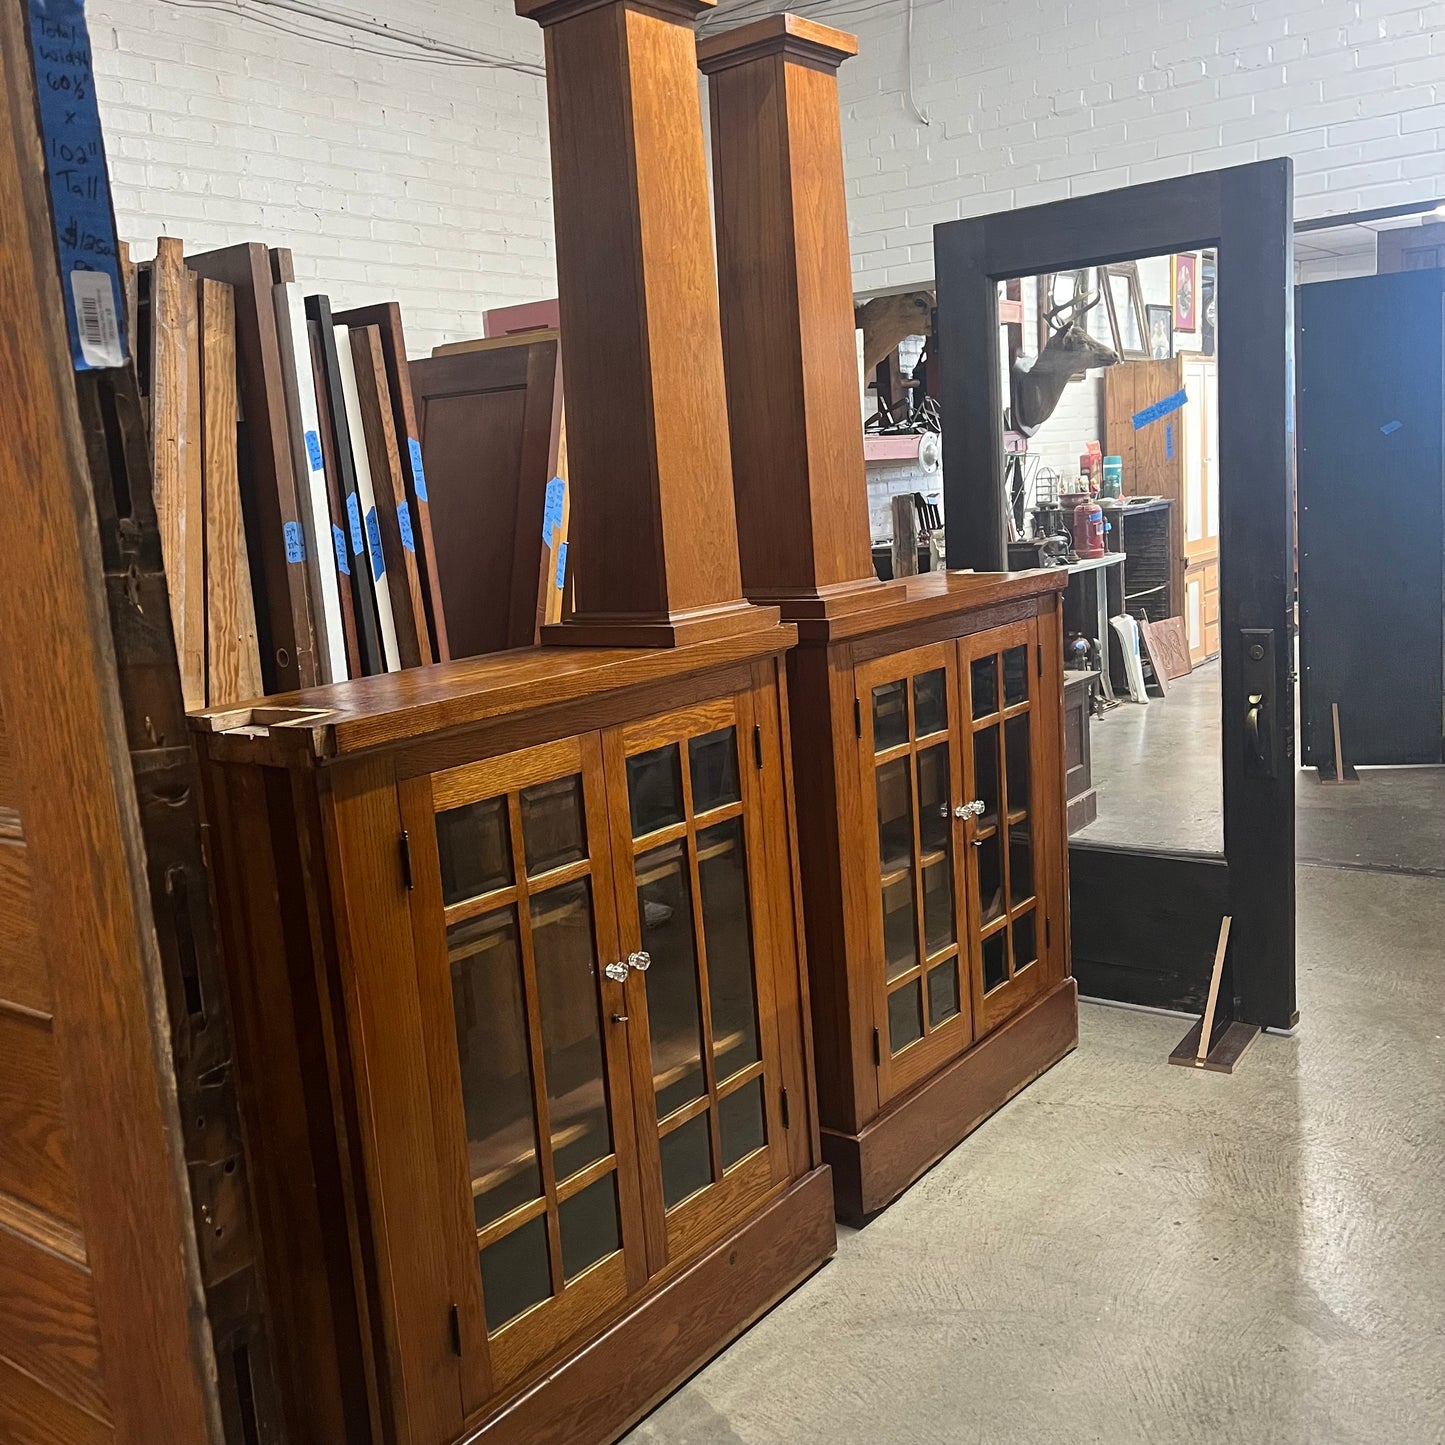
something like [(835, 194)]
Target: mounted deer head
[(1035, 392), (886, 320)]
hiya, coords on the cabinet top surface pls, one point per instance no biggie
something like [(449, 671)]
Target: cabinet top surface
[(346, 718), (929, 595)]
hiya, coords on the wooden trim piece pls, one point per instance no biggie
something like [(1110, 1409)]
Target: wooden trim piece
[(23, 980), (62, 711), (874, 1166)]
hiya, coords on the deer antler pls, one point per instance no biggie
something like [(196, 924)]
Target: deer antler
[(1077, 306)]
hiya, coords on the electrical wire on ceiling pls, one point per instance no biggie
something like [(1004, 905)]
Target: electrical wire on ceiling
[(832, 11), (403, 44)]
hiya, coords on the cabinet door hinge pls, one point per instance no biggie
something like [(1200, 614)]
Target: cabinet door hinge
[(404, 848), (454, 1322), (1048, 933), (787, 1124), (758, 745), (877, 1050), (1039, 658), (858, 716)]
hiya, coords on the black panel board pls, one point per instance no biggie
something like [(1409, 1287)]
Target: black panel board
[(1371, 373), (1146, 925)]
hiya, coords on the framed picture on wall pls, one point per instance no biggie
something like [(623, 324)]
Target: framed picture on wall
[(1186, 292), (1161, 332)]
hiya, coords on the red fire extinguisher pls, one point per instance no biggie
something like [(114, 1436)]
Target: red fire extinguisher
[(1089, 528)]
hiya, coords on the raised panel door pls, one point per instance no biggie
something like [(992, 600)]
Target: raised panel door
[(702, 951), (1010, 856), (919, 912), (516, 930)]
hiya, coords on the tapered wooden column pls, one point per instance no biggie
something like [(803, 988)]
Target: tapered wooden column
[(787, 314), (653, 540)]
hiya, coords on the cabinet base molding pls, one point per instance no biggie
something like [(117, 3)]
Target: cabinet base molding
[(874, 1166), (604, 1389)]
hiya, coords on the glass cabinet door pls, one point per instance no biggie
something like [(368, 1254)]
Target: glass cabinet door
[(514, 918), (912, 785), (697, 938), (1008, 853)]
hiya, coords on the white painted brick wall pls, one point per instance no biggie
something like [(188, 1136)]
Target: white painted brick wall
[(391, 179), (1036, 100)]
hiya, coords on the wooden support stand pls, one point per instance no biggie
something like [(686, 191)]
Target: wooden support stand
[(1214, 1043), (1337, 769)]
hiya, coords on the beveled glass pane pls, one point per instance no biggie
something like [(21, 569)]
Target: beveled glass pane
[(565, 955), (515, 1273), (942, 993), (930, 702), (1015, 676), (939, 928), (985, 774), (1026, 944), (990, 878), (983, 682), (905, 1016), (491, 1025), (1020, 864), (554, 831), (995, 960), (935, 820), (588, 1222), (740, 1117), (686, 1161), (1016, 749), (664, 901), (654, 789), (895, 849), (728, 938), (474, 843), (890, 716), (714, 761)]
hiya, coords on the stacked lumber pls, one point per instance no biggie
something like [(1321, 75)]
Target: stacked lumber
[(289, 485)]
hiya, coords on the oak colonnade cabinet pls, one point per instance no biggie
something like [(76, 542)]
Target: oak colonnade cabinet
[(927, 712), (519, 935)]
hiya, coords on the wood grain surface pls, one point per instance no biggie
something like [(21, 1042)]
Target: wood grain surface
[(63, 714), (233, 660), (402, 575), (32, 1415), (35, 1156), (23, 980)]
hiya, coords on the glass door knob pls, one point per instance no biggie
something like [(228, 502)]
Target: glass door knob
[(640, 960), (617, 972), (975, 809)]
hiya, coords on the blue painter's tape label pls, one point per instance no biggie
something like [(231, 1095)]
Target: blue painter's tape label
[(373, 535), (418, 473), (1169, 442), (295, 542), (338, 540), (353, 517), (403, 519), (561, 565), (1391, 427), (313, 450), (1160, 409), (552, 510), (79, 184)]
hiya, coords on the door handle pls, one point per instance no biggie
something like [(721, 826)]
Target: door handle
[(975, 809), (1257, 683), (1253, 728), (640, 961)]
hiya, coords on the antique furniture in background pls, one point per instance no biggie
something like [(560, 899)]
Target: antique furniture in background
[(927, 711)]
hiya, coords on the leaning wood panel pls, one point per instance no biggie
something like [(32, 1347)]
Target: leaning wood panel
[(58, 680), (392, 509), (32, 1415), (48, 1325), (23, 980), (386, 317), (176, 455), (288, 652), (35, 1163), (233, 661)]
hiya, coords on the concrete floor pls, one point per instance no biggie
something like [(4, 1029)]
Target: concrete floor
[(1157, 769), (1134, 1252)]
